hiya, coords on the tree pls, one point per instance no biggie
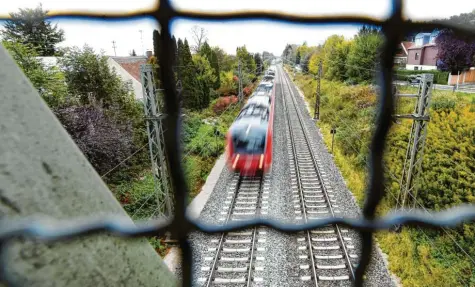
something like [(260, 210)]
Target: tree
[(215, 65), (297, 58), (226, 62), (200, 36), (363, 56), (305, 63), (259, 64), (155, 62), (248, 66), (204, 80), (49, 81), (186, 74), (314, 61), (30, 27), (91, 81), (455, 53), (133, 54), (336, 50), (212, 58), (104, 140)]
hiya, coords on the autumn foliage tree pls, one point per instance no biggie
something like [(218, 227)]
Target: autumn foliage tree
[(455, 53)]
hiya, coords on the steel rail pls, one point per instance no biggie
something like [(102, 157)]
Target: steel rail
[(294, 150), (221, 240), (253, 244), (223, 235), (320, 178)]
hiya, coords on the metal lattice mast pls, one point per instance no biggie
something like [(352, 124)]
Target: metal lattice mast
[(417, 139), (156, 142), (316, 115)]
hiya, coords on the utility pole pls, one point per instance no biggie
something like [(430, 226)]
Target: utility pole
[(114, 46), (417, 138), (154, 119), (316, 115), (240, 96), (141, 41)]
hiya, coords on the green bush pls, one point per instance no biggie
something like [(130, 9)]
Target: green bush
[(440, 77)]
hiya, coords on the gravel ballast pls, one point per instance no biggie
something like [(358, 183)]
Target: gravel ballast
[(281, 264)]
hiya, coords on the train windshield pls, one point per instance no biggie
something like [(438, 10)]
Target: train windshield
[(250, 143)]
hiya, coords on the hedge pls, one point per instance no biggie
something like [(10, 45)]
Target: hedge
[(440, 77)]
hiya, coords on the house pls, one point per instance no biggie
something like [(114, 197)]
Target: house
[(423, 54), (401, 54), (128, 69)]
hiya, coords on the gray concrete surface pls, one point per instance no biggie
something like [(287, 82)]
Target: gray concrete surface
[(43, 173)]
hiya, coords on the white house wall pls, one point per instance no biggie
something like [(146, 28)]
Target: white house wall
[(420, 67)]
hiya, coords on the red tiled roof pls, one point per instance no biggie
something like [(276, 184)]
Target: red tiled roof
[(407, 44), (131, 64)]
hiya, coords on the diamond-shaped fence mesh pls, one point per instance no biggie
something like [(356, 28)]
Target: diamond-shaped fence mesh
[(180, 226)]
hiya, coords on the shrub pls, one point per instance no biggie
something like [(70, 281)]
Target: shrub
[(104, 141), (247, 91), (440, 77), (223, 102)]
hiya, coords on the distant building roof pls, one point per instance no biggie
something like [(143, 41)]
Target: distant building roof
[(131, 64), (420, 47)]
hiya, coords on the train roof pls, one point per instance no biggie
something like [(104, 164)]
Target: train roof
[(250, 126), (261, 100)]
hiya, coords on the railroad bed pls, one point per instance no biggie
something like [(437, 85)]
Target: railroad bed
[(236, 257), (326, 256), (291, 192)]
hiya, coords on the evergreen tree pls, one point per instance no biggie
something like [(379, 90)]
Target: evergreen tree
[(259, 64), (30, 27), (206, 51), (133, 54), (297, 58), (215, 65), (155, 62), (186, 74), (212, 58), (204, 79), (175, 52)]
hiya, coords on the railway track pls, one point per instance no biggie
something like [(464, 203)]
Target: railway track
[(326, 256), (237, 258)]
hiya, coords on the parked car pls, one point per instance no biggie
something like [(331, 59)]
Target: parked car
[(414, 79)]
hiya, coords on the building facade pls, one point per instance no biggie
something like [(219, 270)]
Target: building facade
[(423, 54)]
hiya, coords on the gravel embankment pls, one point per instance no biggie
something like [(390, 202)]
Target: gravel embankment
[(377, 273), (281, 264)]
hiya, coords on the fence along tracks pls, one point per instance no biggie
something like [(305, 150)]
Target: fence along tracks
[(326, 255), (237, 258)]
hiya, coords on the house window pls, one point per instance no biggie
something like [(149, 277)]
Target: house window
[(416, 57)]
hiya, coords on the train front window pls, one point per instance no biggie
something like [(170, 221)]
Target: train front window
[(250, 143)]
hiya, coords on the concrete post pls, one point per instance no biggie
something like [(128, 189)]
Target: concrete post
[(43, 173)]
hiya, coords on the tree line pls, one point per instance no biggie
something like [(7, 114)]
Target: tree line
[(353, 61), (95, 106), (209, 72)]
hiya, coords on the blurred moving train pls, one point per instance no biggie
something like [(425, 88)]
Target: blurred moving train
[(249, 139)]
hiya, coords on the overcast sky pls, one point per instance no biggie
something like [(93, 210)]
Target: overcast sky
[(257, 35)]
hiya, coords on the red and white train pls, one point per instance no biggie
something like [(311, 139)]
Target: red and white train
[(249, 139)]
